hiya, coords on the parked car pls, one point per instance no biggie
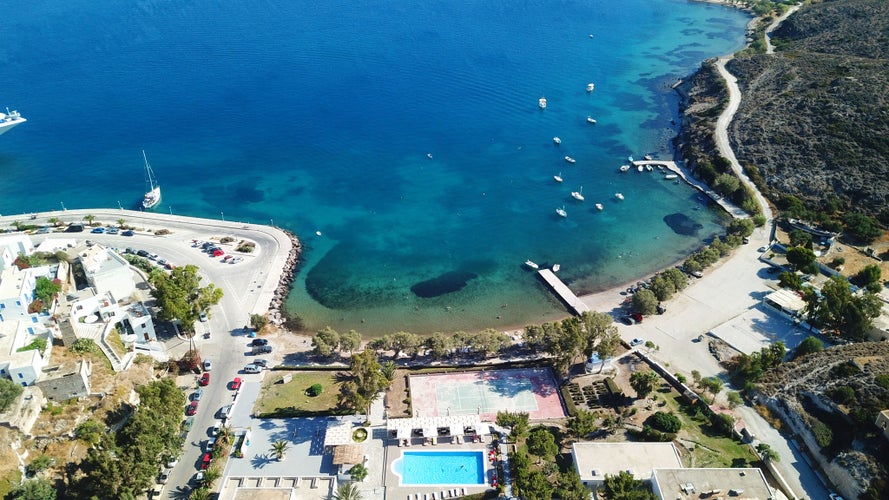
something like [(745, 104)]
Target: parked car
[(636, 341), (262, 363), (198, 394), (98, 230), (628, 320), (210, 444), (164, 476), (172, 462), (217, 252), (262, 349), (225, 411), (192, 408), (152, 256), (74, 228), (205, 461), (207, 365), (44, 230), (202, 316), (130, 250), (128, 232), (142, 253), (112, 230), (161, 262), (251, 368), (205, 379), (257, 342), (214, 431), (236, 384)]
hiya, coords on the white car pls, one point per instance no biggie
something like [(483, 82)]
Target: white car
[(214, 431), (207, 365), (251, 368), (636, 341)]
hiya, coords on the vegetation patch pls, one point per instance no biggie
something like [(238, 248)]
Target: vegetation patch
[(290, 399)]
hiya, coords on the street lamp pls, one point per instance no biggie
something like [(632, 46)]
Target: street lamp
[(223, 216), (63, 206), (118, 205)]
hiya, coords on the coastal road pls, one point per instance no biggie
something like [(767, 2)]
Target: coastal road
[(248, 288)]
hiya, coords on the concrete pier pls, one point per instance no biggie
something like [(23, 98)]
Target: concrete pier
[(561, 290), (732, 209)]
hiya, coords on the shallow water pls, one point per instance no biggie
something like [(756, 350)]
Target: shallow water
[(320, 118)]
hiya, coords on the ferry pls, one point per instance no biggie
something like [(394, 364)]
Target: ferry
[(10, 119)]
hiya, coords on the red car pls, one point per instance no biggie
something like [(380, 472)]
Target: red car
[(192, 408), (205, 461), (236, 383), (218, 252), (205, 379)]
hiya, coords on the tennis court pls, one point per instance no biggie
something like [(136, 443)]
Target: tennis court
[(531, 390)]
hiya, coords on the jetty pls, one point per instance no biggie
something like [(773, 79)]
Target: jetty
[(562, 291), (732, 209)]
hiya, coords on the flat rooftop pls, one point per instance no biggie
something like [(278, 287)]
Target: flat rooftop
[(596, 460), (681, 484)]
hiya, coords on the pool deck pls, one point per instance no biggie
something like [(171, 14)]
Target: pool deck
[(395, 491)]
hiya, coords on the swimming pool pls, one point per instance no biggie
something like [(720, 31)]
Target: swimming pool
[(440, 467)]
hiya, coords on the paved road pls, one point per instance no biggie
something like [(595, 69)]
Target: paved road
[(248, 287)]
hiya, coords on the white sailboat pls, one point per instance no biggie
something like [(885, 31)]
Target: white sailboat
[(153, 195), (570, 160), (619, 196), (558, 178), (578, 195), (599, 206), (561, 211)]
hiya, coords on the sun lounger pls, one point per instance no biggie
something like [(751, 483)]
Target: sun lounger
[(442, 496), (463, 492), (434, 496)]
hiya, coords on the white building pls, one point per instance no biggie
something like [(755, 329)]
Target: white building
[(17, 292), (13, 245), (594, 461), (23, 367), (106, 271), (688, 484)]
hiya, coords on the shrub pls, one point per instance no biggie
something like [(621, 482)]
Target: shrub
[(84, 346), (358, 472), (842, 395), (664, 422), (823, 434), (315, 390), (9, 391), (226, 239)]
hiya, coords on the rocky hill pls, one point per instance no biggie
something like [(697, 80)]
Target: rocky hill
[(830, 399), (814, 118)]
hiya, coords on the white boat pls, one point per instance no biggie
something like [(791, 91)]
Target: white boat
[(531, 264), (153, 196), (561, 211), (649, 168), (590, 119), (429, 155), (640, 168), (570, 160), (619, 196), (630, 159), (556, 268), (647, 157), (670, 176), (599, 206), (558, 178), (590, 87), (542, 102), (624, 168), (557, 140), (10, 119), (578, 195)]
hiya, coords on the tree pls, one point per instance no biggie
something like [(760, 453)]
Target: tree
[(278, 449), (800, 238), (326, 341), (862, 227), (870, 274), (346, 491), (438, 345), (258, 321), (202, 493), (55, 221), (645, 302), (542, 443), (726, 184), (490, 341), (180, 296), (34, 489), (837, 310), (90, 432), (38, 465), (712, 385), (664, 422), (607, 346), (723, 423), (677, 277), (350, 341), (767, 453), (623, 486), (809, 345), (570, 487), (790, 280), (46, 289), (406, 343), (538, 487), (582, 424), (741, 227), (365, 383), (9, 392), (643, 382), (517, 422), (211, 475), (121, 223), (662, 288), (358, 472), (388, 370), (800, 257), (89, 218), (734, 399)]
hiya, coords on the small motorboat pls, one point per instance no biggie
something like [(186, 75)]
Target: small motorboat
[(640, 168), (670, 177), (531, 264), (590, 119), (541, 102), (557, 141), (570, 160), (590, 87), (429, 155), (556, 268), (619, 196), (624, 168), (647, 157), (561, 211), (599, 206), (558, 178), (649, 168)]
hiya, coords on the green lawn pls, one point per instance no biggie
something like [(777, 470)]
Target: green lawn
[(290, 399), (711, 449)]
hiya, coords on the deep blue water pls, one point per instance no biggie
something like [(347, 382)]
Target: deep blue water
[(319, 116)]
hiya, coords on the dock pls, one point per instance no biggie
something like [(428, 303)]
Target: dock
[(561, 290), (732, 209)]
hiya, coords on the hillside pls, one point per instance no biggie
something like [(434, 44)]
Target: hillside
[(814, 118), (830, 400)]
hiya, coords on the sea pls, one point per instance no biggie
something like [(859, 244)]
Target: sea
[(401, 141)]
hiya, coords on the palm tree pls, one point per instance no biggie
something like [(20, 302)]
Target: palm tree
[(278, 448), (121, 223), (346, 491), (55, 221), (89, 218), (224, 436), (388, 370), (201, 493), (211, 475), (17, 225)]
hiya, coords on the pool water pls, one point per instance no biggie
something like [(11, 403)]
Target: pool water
[(440, 467)]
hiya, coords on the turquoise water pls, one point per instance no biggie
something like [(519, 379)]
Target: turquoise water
[(320, 118), (441, 467)]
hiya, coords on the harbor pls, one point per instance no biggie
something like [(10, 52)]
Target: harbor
[(732, 209)]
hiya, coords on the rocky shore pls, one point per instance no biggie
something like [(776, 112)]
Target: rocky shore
[(275, 314)]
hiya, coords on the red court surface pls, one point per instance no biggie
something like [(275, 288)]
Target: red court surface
[(531, 390)]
